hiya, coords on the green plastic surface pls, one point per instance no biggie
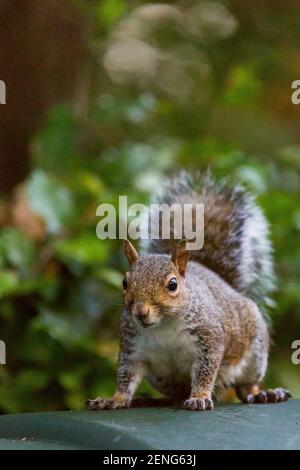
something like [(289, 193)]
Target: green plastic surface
[(236, 426)]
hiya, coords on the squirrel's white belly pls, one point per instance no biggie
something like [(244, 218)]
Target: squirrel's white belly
[(168, 354)]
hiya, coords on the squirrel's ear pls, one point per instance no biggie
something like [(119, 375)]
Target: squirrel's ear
[(180, 256), (130, 252)]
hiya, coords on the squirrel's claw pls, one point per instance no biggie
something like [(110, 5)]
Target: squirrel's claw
[(270, 396), (199, 404), (105, 404)]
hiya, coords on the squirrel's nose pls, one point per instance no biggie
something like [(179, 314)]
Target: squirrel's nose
[(142, 312)]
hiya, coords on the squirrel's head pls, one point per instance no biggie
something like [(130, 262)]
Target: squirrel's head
[(154, 288)]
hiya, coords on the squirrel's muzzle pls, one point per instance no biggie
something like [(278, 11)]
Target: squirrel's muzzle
[(145, 314), (141, 312)]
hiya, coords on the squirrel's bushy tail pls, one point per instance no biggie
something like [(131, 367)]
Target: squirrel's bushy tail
[(236, 233)]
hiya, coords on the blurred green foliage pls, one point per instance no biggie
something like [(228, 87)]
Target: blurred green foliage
[(188, 85)]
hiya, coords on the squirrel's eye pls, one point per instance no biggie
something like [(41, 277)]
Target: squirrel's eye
[(125, 283), (172, 284)]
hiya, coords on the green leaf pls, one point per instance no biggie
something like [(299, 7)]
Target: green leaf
[(110, 11), (242, 85), (84, 248), (8, 283), (253, 177), (54, 147), (60, 327), (52, 201), (110, 276), (32, 379), (16, 248)]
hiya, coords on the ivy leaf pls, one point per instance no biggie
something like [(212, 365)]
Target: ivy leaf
[(84, 248), (50, 200)]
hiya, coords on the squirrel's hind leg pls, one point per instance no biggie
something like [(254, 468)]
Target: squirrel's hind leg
[(252, 394)]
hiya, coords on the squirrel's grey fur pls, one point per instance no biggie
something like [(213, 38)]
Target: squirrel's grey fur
[(209, 333)]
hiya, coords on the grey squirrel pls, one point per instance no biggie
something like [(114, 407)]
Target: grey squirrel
[(194, 323)]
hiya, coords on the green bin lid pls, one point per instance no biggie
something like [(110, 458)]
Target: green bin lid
[(235, 426)]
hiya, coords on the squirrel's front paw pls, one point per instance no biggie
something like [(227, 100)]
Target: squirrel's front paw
[(107, 404), (201, 404)]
